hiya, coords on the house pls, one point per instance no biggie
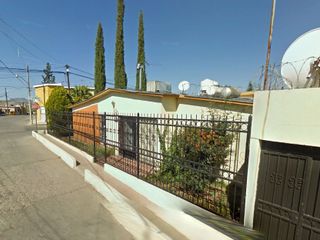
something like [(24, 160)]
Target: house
[(13, 109), (128, 101), (153, 104), (141, 128), (126, 104), (16, 106)]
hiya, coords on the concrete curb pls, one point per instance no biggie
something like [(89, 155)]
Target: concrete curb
[(77, 150), (172, 207), (123, 212), (66, 157)]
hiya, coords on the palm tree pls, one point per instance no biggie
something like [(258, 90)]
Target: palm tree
[(80, 93)]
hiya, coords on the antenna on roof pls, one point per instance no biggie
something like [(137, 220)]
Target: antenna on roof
[(184, 86)]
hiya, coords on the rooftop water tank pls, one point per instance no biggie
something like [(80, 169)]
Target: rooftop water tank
[(208, 87)]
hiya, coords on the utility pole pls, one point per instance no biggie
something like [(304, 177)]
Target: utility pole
[(29, 94), (68, 79), (6, 94), (273, 10)]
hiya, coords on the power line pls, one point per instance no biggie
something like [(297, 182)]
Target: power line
[(7, 86), (81, 70), (21, 79), (19, 45), (35, 46), (25, 38), (31, 70)]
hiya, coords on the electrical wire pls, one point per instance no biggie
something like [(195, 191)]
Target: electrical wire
[(1, 86), (27, 39), (19, 45), (77, 69), (21, 79)]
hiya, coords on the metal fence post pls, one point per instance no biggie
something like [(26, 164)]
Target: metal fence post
[(105, 135), (245, 172), (137, 144), (36, 122), (94, 135), (69, 127)]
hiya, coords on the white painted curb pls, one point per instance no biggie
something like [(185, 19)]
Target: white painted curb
[(77, 150), (66, 157), (172, 207), (118, 205)]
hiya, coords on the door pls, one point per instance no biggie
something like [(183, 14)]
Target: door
[(284, 195), (42, 114), (127, 136)]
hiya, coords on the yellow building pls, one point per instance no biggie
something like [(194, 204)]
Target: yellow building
[(42, 93)]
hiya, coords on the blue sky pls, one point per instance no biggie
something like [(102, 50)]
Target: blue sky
[(185, 39)]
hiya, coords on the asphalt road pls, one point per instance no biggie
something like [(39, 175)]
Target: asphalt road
[(41, 198)]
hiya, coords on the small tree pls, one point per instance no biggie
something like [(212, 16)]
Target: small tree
[(56, 105), (80, 93), (120, 76), (141, 57), (99, 68), (250, 87), (48, 76)]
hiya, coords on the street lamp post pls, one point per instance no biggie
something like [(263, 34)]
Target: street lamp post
[(67, 74), (140, 67)]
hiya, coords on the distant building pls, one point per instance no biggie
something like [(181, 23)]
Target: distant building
[(16, 106), (13, 109)]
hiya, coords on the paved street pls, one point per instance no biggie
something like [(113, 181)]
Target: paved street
[(41, 198)]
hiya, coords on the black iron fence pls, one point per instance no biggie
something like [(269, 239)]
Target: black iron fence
[(200, 159)]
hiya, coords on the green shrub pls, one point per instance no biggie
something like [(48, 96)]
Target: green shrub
[(194, 155), (56, 107)]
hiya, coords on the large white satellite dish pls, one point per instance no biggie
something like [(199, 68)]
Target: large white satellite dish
[(297, 60), (184, 86)]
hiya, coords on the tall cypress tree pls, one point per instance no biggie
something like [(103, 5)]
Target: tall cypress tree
[(120, 76), (99, 68), (141, 59)]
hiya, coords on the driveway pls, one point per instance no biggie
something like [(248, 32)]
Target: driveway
[(41, 198)]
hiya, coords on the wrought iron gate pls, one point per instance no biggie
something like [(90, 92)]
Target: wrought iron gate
[(288, 193)]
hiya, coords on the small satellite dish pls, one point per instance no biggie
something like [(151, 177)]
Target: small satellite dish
[(184, 86)]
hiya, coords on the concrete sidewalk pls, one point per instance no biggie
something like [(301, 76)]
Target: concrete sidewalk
[(154, 217), (41, 198), (135, 208)]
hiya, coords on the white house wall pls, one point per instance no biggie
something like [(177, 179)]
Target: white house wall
[(125, 104), (287, 116)]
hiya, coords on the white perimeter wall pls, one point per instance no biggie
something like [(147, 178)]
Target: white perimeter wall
[(288, 116)]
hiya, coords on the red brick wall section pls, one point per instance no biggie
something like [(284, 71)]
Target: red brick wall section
[(83, 123)]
